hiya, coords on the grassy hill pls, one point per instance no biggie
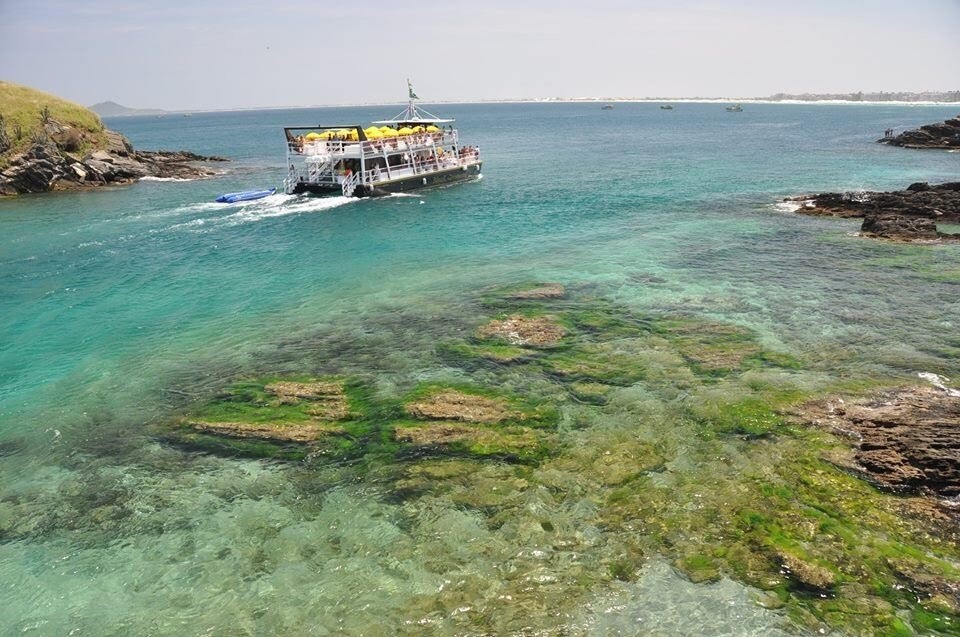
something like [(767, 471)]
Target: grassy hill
[(30, 115)]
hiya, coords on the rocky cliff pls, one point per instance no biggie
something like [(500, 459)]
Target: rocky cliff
[(945, 135), (902, 215), (47, 143), (48, 165)]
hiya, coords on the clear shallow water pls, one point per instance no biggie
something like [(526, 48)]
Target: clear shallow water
[(114, 304)]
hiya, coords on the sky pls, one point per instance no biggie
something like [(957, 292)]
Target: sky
[(192, 55)]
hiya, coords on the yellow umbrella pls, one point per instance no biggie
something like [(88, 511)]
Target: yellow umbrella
[(313, 135), (418, 129), (373, 134), (432, 129), (389, 132), (406, 130), (384, 129)]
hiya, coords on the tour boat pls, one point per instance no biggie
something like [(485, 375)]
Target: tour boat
[(606, 107), (736, 108), (413, 150), (666, 107)]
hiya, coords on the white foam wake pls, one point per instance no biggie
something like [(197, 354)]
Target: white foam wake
[(282, 205), (242, 212)]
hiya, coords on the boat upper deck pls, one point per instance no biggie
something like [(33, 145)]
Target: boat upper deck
[(348, 146)]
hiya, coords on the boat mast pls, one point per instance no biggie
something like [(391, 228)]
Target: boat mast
[(411, 113)]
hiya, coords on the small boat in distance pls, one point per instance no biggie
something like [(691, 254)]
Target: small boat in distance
[(246, 195), (736, 108), (413, 150), (606, 107), (666, 107)]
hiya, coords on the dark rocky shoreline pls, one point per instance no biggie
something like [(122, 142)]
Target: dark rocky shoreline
[(53, 164), (904, 215), (906, 439), (944, 135)]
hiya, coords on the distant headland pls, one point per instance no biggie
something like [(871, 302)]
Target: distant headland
[(112, 109)]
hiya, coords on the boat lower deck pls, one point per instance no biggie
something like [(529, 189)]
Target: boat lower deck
[(404, 180)]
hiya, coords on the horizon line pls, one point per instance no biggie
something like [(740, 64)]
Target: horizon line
[(793, 99)]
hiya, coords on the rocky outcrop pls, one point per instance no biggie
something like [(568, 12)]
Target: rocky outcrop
[(906, 439), (55, 162), (944, 136), (903, 215)]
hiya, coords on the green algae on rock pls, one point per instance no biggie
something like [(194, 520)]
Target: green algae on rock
[(609, 363), (281, 418), (591, 393), (475, 421), (714, 477), (439, 403), (495, 353)]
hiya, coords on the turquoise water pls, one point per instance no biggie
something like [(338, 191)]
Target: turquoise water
[(119, 306)]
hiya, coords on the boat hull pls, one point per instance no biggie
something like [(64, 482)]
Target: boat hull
[(405, 184), (246, 195)]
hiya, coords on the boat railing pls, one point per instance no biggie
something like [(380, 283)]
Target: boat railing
[(370, 147)]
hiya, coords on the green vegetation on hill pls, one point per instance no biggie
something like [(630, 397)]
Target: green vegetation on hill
[(26, 115)]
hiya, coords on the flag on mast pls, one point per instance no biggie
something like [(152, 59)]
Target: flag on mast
[(413, 95)]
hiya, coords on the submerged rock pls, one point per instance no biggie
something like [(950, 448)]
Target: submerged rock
[(446, 433), (277, 418), (907, 439), (455, 405), (475, 422), (538, 331), (498, 353), (807, 573), (280, 432), (545, 291), (328, 400)]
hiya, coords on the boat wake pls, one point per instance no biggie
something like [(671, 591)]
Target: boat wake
[(244, 212), (282, 205)]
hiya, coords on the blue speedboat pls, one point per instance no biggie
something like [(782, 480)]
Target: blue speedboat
[(246, 195)]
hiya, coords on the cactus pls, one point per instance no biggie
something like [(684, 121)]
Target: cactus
[(39, 137), (5, 143), (45, 114)]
